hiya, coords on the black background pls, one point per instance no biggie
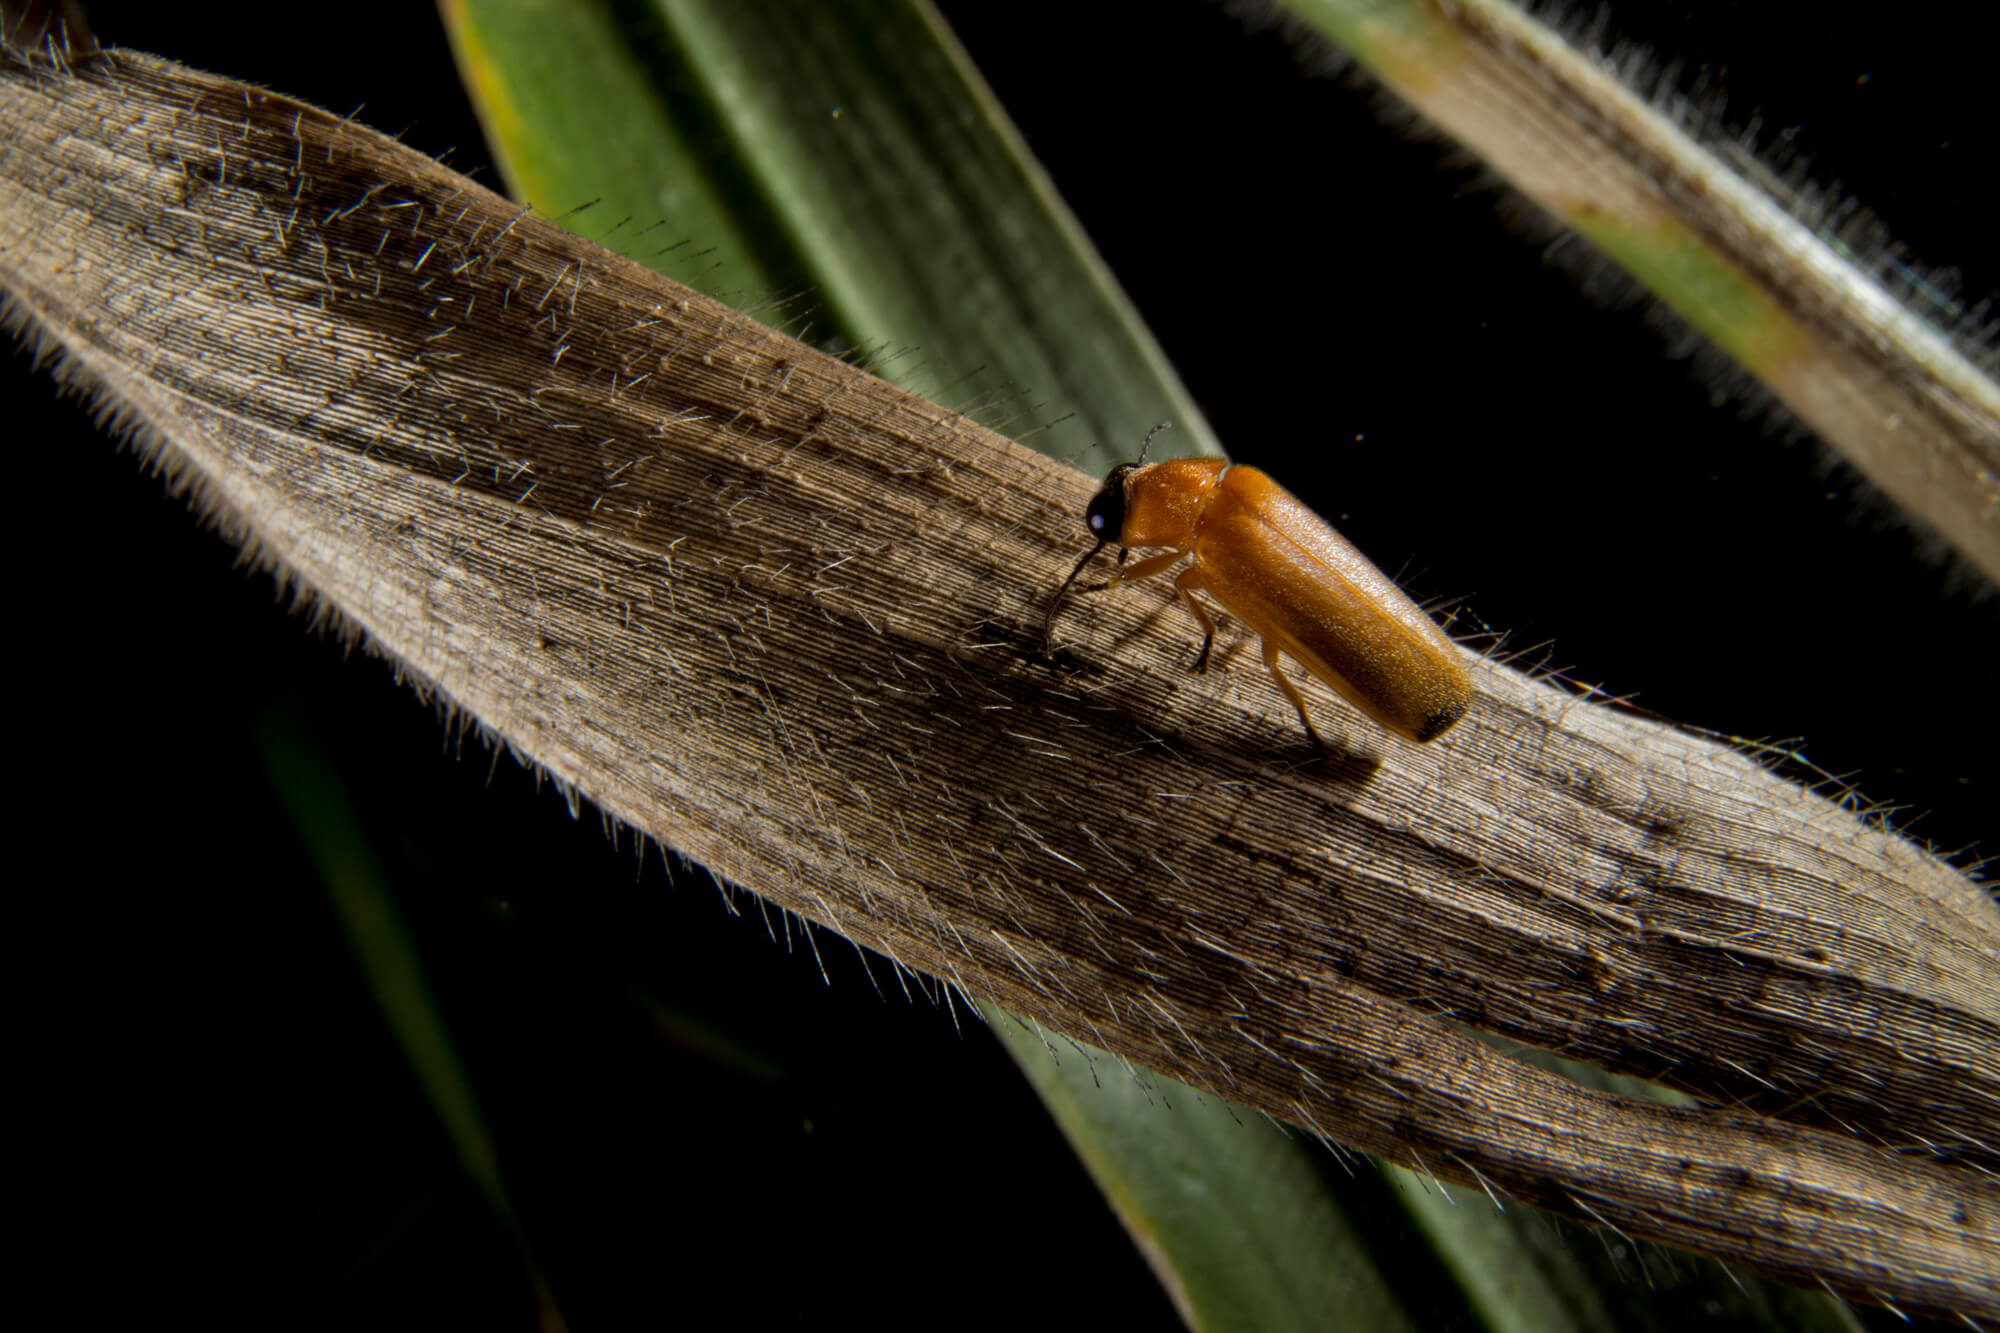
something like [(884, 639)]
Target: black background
[(224, 1123)]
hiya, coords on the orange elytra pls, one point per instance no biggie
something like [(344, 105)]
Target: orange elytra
[(1279, 568)]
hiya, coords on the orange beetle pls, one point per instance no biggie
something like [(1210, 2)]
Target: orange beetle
[(1287, 575)]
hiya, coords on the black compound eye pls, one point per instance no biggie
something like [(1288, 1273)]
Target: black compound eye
[(1106, 515)]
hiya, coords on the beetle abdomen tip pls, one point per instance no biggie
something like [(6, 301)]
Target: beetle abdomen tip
[(1440, 720)]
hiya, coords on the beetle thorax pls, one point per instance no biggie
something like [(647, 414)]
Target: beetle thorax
[(1163, 503)]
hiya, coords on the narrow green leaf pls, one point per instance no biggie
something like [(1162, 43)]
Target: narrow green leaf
[(1228, 1209), (1885, 380), (849, 151), (333, 837), (608, 136)]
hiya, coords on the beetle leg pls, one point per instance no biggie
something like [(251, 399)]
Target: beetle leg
[(1151, 565), (1291, 692), (1145, 569), (1188, 582)]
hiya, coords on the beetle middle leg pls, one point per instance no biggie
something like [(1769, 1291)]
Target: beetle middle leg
[(1187, 583), (1291, 692)]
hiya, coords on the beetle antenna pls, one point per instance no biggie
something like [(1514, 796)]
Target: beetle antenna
[(1164, 425), (1048, 621)]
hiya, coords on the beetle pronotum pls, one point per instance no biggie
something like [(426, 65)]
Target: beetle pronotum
[(1287, 575)]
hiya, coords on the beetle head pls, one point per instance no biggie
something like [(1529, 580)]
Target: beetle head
[(1106, 515)]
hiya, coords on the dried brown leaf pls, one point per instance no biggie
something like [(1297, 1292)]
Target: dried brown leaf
[(785, 618)]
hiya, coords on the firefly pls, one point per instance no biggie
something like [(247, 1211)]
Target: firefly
[(1278, 567)]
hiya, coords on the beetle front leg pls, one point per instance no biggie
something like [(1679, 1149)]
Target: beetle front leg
[(1145, 569)]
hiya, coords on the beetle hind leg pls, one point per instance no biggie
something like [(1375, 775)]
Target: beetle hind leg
[(1292, 693)]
